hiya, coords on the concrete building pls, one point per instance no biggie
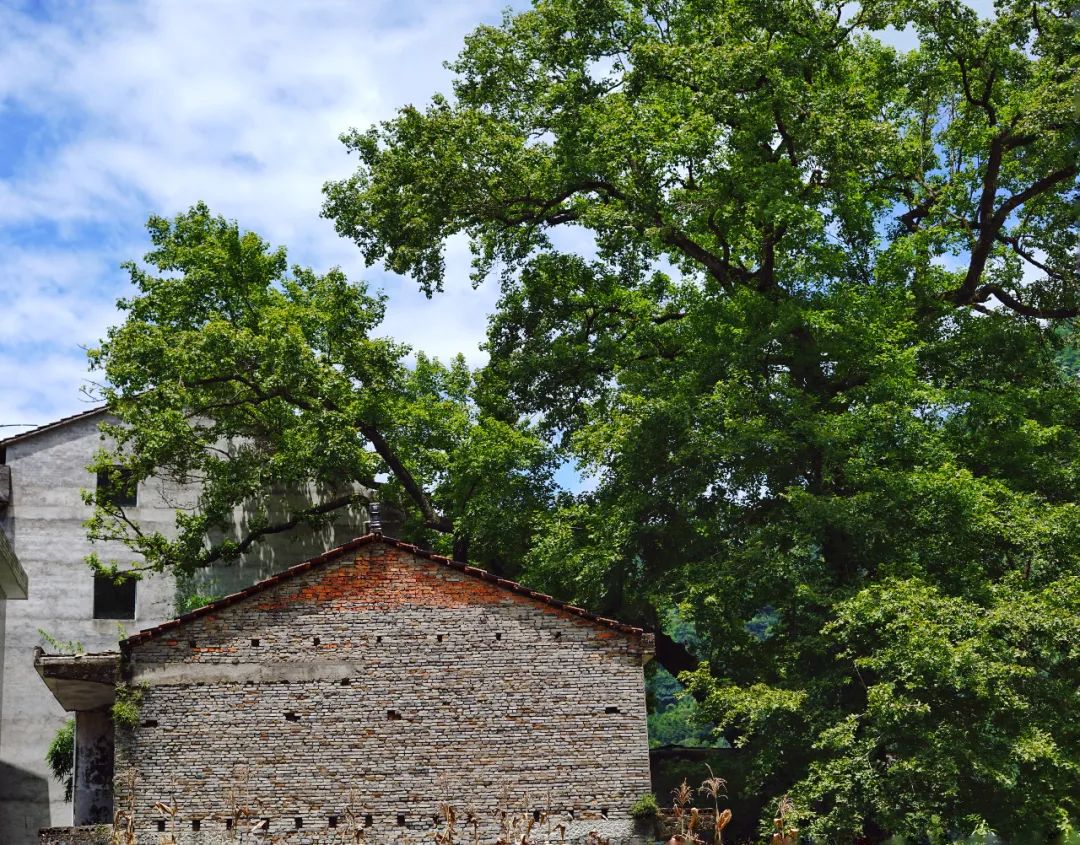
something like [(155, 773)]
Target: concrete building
[(13, 581), (365, 688), (42, 474)]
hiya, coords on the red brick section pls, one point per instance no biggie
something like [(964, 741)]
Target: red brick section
[(354, 583)]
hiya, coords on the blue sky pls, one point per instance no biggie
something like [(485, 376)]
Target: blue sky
[(111, 111)]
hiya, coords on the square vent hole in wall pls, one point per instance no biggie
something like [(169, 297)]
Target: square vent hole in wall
[(112, 599)]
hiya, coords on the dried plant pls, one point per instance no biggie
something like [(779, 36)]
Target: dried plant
[(716, 788), (172, 811), (123, 832), (784, 834), (687, 817)]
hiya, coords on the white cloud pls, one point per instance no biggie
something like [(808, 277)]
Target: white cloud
[(149, 108)]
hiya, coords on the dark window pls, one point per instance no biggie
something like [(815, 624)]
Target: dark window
[(401, 820), (333, 821), (113, 600), (611, 709), (368, 820), (228, 824), (196, 824), (299, 822), (291, 717), (118, 486), (254, 643), (161, 825)]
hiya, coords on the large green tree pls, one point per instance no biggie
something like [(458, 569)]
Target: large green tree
[(266, 389), (809, 354)]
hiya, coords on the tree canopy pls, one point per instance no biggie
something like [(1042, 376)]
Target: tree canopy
[(248, 378), (810, 354)]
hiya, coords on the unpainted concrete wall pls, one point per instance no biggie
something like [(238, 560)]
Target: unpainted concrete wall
[(382, 686)]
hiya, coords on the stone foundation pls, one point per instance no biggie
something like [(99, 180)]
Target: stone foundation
[(96, 834)]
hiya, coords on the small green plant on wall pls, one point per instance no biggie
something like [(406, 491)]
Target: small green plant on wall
[(126, 706), (61, 646)]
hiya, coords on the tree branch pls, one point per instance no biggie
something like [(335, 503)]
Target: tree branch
[(1022, 308), (432, 518)]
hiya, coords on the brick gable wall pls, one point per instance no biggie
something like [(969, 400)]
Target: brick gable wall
[(382, 685)]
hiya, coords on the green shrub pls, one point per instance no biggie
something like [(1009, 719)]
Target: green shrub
[(646, 807), (61, 756)]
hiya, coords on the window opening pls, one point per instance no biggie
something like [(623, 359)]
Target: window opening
[(118, 487), (114, 600)]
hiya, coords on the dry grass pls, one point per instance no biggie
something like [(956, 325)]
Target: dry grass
[(688, 819)]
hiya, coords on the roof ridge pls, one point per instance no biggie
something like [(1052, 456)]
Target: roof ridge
[(352, 545), (49, 426)]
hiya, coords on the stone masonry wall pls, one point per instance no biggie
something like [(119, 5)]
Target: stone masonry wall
[(373, 689)]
